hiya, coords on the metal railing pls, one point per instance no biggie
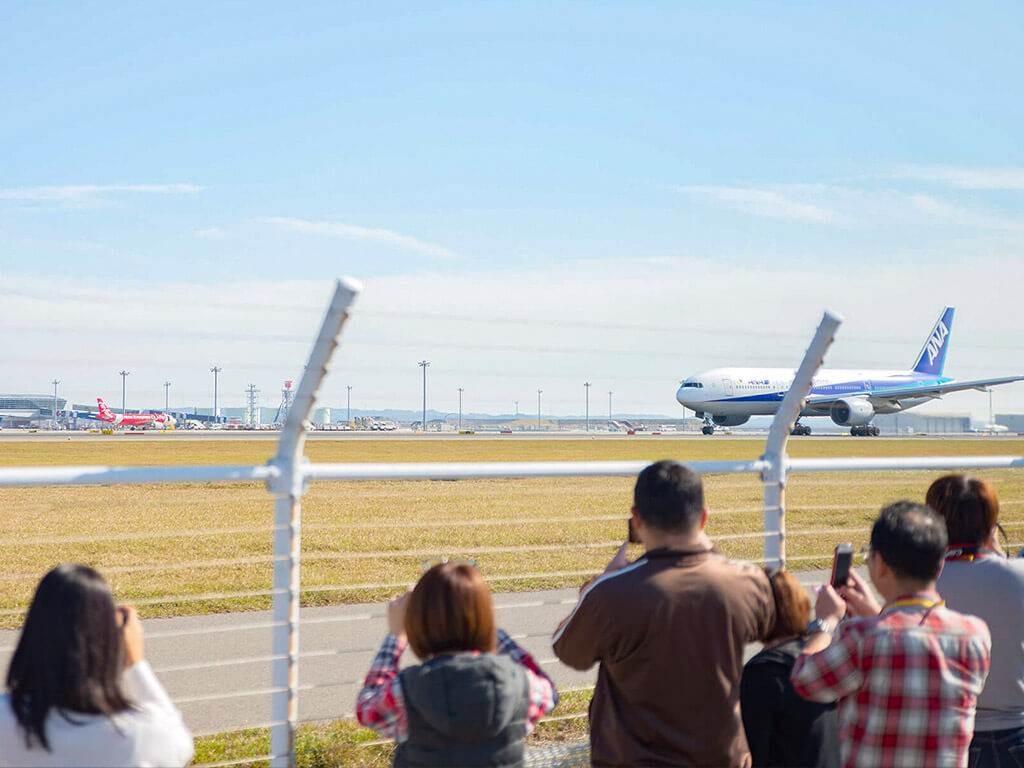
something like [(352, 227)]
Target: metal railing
[(288, 474)]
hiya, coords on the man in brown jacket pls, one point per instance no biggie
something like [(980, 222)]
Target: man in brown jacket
[(669, 631)]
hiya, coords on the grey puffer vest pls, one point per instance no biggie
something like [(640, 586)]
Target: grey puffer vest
[(464, 711)]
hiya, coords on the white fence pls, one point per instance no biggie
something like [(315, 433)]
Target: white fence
[(288, 473)]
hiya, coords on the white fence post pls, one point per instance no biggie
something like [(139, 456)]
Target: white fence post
[(774, 475), (288, 488)]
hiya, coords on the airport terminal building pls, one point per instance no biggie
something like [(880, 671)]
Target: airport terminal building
[(28, 410)]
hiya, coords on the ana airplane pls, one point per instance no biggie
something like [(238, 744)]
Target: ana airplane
[(158, 420), (730, 396)]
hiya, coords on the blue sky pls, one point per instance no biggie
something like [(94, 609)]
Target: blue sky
[(867, 158)]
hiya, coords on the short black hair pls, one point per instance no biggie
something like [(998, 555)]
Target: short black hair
[(669, 496), (911, 539)]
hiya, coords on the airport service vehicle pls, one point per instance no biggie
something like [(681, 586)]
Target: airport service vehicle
[(157, 420), (728, 397)]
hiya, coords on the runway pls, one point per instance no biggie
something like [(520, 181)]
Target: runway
[(21, 435)]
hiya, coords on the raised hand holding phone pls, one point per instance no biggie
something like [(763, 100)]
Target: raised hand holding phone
[(842, 562), (859, 598), (131, 629)]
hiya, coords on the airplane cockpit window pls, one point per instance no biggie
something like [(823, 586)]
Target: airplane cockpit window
[(694, 384)]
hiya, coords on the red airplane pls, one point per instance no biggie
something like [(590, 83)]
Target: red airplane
[(161, 420)]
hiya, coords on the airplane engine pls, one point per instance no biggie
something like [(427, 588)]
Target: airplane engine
[(723, 420), (852, 413)]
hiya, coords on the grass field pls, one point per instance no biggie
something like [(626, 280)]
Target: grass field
[(180, 549)]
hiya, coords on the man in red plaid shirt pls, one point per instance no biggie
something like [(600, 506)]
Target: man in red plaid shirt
[(906, 674)]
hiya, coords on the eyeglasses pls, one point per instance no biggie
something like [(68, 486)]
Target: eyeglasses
[(428, 564)]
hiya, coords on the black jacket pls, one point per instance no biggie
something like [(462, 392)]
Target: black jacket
[(782, 728)]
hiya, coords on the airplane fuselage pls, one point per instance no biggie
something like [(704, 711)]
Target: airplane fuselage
[(759, 391), (133, 419)]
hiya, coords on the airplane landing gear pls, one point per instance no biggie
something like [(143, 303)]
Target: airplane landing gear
[(707, 429), (800, 429), (867, 430)]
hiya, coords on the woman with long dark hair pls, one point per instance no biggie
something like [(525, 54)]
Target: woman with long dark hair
[(979, 579), (476, 694), (79, 690), (782, 728)]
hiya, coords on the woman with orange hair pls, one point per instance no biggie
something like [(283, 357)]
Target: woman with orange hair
[(977, 578), (477, 693)]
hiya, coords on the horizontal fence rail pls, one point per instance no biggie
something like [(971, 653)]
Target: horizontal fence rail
[(905, 463), (11, 477), (27, 476)]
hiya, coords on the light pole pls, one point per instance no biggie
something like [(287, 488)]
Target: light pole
[(586, 385), (461, 390), (124, 377), (215, 370), (424, 365), (167, 396), (57, 381), (609, 405), (348, 404), (538, 407), (517, 409)]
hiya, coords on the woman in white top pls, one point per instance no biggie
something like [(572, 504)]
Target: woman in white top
[(79, 691)]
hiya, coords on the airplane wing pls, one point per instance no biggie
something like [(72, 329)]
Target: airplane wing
[(895, 394)]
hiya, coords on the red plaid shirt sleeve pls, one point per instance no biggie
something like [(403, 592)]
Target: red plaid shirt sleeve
[(833, 673), (380, 704), (543, 696)]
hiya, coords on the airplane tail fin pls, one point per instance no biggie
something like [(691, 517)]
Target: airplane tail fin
[(104, 410), (932, 358)]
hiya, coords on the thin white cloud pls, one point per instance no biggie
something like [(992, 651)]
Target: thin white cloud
[(210, 233), (72, 192), (365, 234), (771, 204), (964, 178), (962, 217)]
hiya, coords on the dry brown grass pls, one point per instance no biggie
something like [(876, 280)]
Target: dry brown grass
[(161, 542)]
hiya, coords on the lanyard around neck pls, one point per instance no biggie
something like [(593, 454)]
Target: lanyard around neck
[(968, 552), (918, 602)]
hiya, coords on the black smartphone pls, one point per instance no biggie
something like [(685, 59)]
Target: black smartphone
[(842, 560), (631, 537)]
